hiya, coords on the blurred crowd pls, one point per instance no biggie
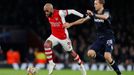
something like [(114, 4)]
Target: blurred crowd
[(34, 57), (29, 14)]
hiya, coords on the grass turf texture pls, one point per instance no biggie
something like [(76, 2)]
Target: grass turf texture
[(61, 72)]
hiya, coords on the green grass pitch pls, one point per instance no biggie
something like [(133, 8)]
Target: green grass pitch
[(61, 72)]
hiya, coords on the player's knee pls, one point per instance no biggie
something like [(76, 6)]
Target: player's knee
[(48, 44), (91, 53), (72, 53), (69, 52)]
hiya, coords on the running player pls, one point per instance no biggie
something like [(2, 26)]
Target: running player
[(105, 35), (59, 35)]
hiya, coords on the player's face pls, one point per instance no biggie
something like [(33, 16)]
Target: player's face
[(97, 5), (48, 11)]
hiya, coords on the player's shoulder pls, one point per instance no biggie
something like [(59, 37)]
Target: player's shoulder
[(62, 12)]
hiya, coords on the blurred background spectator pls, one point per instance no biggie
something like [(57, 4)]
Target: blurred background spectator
[(40, 60), (29, 59), (13, 58)]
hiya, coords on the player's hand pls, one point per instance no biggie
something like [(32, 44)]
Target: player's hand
[(66, 25), (90, 13)]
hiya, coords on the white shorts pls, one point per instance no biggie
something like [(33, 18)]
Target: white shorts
[(66, 43)]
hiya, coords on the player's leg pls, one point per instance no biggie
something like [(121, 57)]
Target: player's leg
[(49, 43), (48, 50), (67, 45), (94, 49), (109, 59), (78, 60), (108, 56), (92, 54)]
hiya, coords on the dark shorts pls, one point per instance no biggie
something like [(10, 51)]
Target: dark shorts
[(103, 44)]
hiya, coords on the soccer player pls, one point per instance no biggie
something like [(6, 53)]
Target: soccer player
[(105, 35), (59, 35)]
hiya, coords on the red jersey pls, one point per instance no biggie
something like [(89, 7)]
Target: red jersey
[(57, 25)]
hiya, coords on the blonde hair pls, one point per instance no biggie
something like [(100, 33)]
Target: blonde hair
[(102, 1)]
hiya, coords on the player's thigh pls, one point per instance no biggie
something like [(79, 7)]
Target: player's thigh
[(53, 39), (66, 44), (97, 45), (109, 45)]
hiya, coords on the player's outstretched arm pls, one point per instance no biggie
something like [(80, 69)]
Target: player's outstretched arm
[(64, 13), (103, 16), (77, 22), (74, 12), (70, 11)]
